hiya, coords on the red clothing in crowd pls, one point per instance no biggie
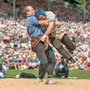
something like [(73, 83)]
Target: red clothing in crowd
[(24, 62), (84, 59), (78, 31)]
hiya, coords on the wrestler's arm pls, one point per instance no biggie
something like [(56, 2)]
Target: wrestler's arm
[(57, 23), (49, 28), (48, 31), (43, 22), (46, 23)]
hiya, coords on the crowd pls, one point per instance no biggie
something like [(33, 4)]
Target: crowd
[(79, 32), (15, 45), (64, 14), (16, 52)]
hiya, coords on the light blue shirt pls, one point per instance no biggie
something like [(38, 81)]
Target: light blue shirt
[(33, 27)]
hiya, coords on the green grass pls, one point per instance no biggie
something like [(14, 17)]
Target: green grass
[(80, 74), (13, 73)]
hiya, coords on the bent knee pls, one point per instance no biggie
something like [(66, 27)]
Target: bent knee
[(73, 47), (58, 45)]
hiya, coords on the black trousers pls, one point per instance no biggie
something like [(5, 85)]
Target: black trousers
[(47, 60), (62, 72), (58, 45)]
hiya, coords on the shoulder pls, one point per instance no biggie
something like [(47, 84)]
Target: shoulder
[(49, 12), (50, 16), (30, 18)]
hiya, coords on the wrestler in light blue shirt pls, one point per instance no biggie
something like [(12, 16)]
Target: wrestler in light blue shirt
[(33, 27)]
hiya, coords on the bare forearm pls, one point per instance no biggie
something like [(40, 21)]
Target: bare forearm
[(43, 22), (49, 29), (57, 23)]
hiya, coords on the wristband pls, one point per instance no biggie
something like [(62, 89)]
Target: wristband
[(44, 36)]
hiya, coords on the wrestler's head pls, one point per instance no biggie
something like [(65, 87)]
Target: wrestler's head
[(29, 11), (41, 15)]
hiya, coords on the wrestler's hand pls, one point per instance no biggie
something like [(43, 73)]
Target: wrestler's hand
[(43, 39)]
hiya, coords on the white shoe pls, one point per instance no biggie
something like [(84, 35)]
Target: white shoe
[(49, 81), (18, 76), (40, 81)]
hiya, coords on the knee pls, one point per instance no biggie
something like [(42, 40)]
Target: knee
[(57, 44), (53, 62), (73, 47)]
